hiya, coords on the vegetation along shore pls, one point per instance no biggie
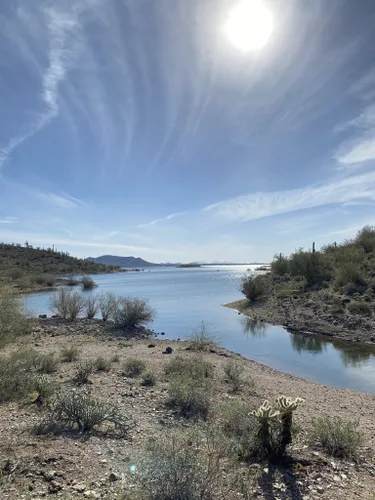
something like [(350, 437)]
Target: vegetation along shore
[(327, 292)]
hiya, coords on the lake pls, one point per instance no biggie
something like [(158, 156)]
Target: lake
[(185, 297)]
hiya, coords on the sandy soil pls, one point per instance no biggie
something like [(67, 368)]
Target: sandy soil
[(66, 467)]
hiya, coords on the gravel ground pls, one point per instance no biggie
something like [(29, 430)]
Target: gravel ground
[(99, 467)]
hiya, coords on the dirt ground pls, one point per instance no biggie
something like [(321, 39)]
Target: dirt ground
[(100, 466)]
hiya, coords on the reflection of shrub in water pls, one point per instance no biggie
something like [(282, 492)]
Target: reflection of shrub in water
[(253, 328), (354, 356), (301, 343)]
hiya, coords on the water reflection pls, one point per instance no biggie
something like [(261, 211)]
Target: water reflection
[(253, 328), (355, 356), (310, 343)]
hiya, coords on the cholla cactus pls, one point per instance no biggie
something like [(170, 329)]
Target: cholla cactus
[(286, 407), (265, 415)]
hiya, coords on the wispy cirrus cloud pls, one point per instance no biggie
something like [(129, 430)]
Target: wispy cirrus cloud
[(167, 218), (61, 201), (8, 220)]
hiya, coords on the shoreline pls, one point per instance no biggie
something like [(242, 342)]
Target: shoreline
[(280, 315)]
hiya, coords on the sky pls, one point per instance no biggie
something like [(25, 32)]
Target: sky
[(136, 127)]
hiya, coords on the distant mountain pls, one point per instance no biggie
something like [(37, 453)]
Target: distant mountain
[(114, 260)]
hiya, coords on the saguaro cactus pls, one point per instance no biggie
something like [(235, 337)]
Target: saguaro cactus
[(286, 408), (265, 415)]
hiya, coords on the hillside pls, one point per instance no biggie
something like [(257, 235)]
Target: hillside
[(115, 260), (330, 292), (26, 267)]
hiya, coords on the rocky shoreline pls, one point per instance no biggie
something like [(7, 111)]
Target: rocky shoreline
[(309, 317)]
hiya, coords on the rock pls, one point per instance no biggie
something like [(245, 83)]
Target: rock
[(91, 494), (112, 478), (320, 489), (43, 316), (168, 350), (54, 487), (79, 487), (150, 346)]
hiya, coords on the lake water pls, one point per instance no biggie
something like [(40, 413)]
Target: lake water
[(185, 297)]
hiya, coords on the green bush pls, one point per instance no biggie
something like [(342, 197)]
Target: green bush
[(359, 308), (107, 305), (254, 287), (195, 368), (77, 411), (131, 313), (46, 363), (337, 437), (102, 365), (234, 375), (148, 379), (70, 354), (280, 265), (115, 358), (201, 339), (349, 273), (45, 279), (313, 266), (13, 321), (44, 387), (91, 307), (16, 273), (190, 397), (83, 372), (181, 467), (350, 289), (337, 309), (366, 238), (133, 367), (88, 283), (15, 380), (67, 304)]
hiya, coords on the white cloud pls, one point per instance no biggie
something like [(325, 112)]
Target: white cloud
[(157, 221), (61, 201), (259, 205), (8, 220)]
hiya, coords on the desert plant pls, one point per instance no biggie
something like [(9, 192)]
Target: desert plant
[(13, 321), (337, 437), (115, 358), (107, 305), (359, 307), (46, 363), (102, 365), (15, 380), (196, 367), (83, 372), (88, 283), (201, 339), (67, 304), (133, 367), (366, 238), (43, 387), (70, 354), (313, 266), (180, 467), (254, 287), (71, 281), (280, 265), (45, 279), (234, 375), (131, 313), (148, 379), (77, 411), (91, 307), (350, 273), (190, 397)]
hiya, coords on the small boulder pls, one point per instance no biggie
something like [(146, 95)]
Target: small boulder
[(168, 350), (150, 346), (112, 478)]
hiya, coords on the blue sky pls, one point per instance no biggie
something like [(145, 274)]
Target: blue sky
[(135, 127)]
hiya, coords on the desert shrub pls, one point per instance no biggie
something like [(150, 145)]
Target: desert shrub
[(280, 265), (70, 354), (337, 437), (77, 411), (201, 339), (180, 467), (349, 273), (366, 238), (133, 367), (102, 365), (46, 363), (67, 304), (115, 358), (241, 428), (195, 368), (107, 305), (359, 308), (15, 380), (313, 266), (148, 379), (91, 307), (44, 387), (254, 287), (283, 293), (350, 289), (13, 321), (72, 281), (88, 283), (190, 397), (16, 273), (83, 372), (45, 279), (234, 375), (131, 313), (337, 309)]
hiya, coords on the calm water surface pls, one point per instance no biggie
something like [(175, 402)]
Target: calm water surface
[(185, 297)]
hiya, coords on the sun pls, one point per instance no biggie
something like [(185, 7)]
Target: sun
[(249, 25)]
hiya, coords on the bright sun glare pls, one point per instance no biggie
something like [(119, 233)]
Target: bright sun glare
[(249, 25)]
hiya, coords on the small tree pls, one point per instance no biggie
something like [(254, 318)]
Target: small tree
[(88, 283), (254, 287), (131, 313), (280, 265), (67, 304), (107, 305), (91, 307)]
